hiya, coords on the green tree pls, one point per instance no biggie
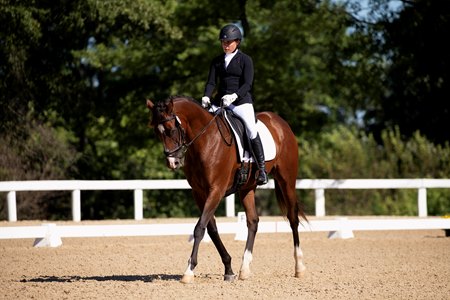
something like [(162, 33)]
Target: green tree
[(350, 153), (418, 74), (77, 73), (84, 67)]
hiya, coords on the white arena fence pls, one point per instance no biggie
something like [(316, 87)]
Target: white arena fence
[(138, 186), (340, 227)]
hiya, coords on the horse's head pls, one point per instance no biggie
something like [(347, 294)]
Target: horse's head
[(168, 128)]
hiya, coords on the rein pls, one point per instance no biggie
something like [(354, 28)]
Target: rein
[(201, 132)]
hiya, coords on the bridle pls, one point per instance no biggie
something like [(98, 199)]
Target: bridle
[(180, 139)]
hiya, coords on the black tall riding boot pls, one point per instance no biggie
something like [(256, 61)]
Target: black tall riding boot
[(258, 153)]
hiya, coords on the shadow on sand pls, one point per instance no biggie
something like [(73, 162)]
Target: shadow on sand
[(144, 278)]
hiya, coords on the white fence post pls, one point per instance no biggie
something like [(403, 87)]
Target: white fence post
[(51, 238), (241, 230), (12, 208), (229, 206), (138, 204), (422, 202), (76, 205), (320, 202)]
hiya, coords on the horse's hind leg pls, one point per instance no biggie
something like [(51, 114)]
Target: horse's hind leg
[(288, 199), (226, 258), (248, 201)]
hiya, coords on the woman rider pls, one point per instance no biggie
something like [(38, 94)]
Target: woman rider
[(233, 72)]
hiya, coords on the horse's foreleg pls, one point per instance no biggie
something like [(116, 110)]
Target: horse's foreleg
[(199, 233), (225, 256), (208, 208), (248, 201)]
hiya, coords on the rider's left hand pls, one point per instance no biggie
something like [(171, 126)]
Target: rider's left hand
[(206, 102), (228, 99)]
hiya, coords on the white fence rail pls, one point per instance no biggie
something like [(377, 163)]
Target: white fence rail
[(138, 186), (50, 235)]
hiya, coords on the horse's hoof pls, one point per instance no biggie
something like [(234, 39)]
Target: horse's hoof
[(187, 279), (300, 274), (229, 278), (244, 275)]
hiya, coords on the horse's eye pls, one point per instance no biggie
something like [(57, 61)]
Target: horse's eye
[(170, 131)]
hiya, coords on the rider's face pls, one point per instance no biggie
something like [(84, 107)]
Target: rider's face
[(229, 46)]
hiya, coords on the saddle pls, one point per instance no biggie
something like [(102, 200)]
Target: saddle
[(243, 146)]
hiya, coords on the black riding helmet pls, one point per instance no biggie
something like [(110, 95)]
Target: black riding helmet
[(230, 32)]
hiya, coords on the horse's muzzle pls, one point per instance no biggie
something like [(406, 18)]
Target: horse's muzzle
[(174, 162)]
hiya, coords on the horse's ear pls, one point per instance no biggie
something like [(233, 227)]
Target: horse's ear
[(169, 106), (150, 104)]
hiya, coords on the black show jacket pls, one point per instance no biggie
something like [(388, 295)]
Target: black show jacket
[(236, 78)]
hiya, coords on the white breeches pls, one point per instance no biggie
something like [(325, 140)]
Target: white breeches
[(247, 114)]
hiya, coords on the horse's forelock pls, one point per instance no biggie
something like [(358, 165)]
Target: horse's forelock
[(163, 107), (160, 107)]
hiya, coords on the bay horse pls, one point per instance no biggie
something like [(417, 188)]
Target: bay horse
[(196, 141)]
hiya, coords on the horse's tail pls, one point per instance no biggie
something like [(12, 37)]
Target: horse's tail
[(283, 204)]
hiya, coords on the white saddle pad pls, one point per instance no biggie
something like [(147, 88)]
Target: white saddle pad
[(266, 140)]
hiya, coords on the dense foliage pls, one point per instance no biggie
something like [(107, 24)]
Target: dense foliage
[(365, 90)]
